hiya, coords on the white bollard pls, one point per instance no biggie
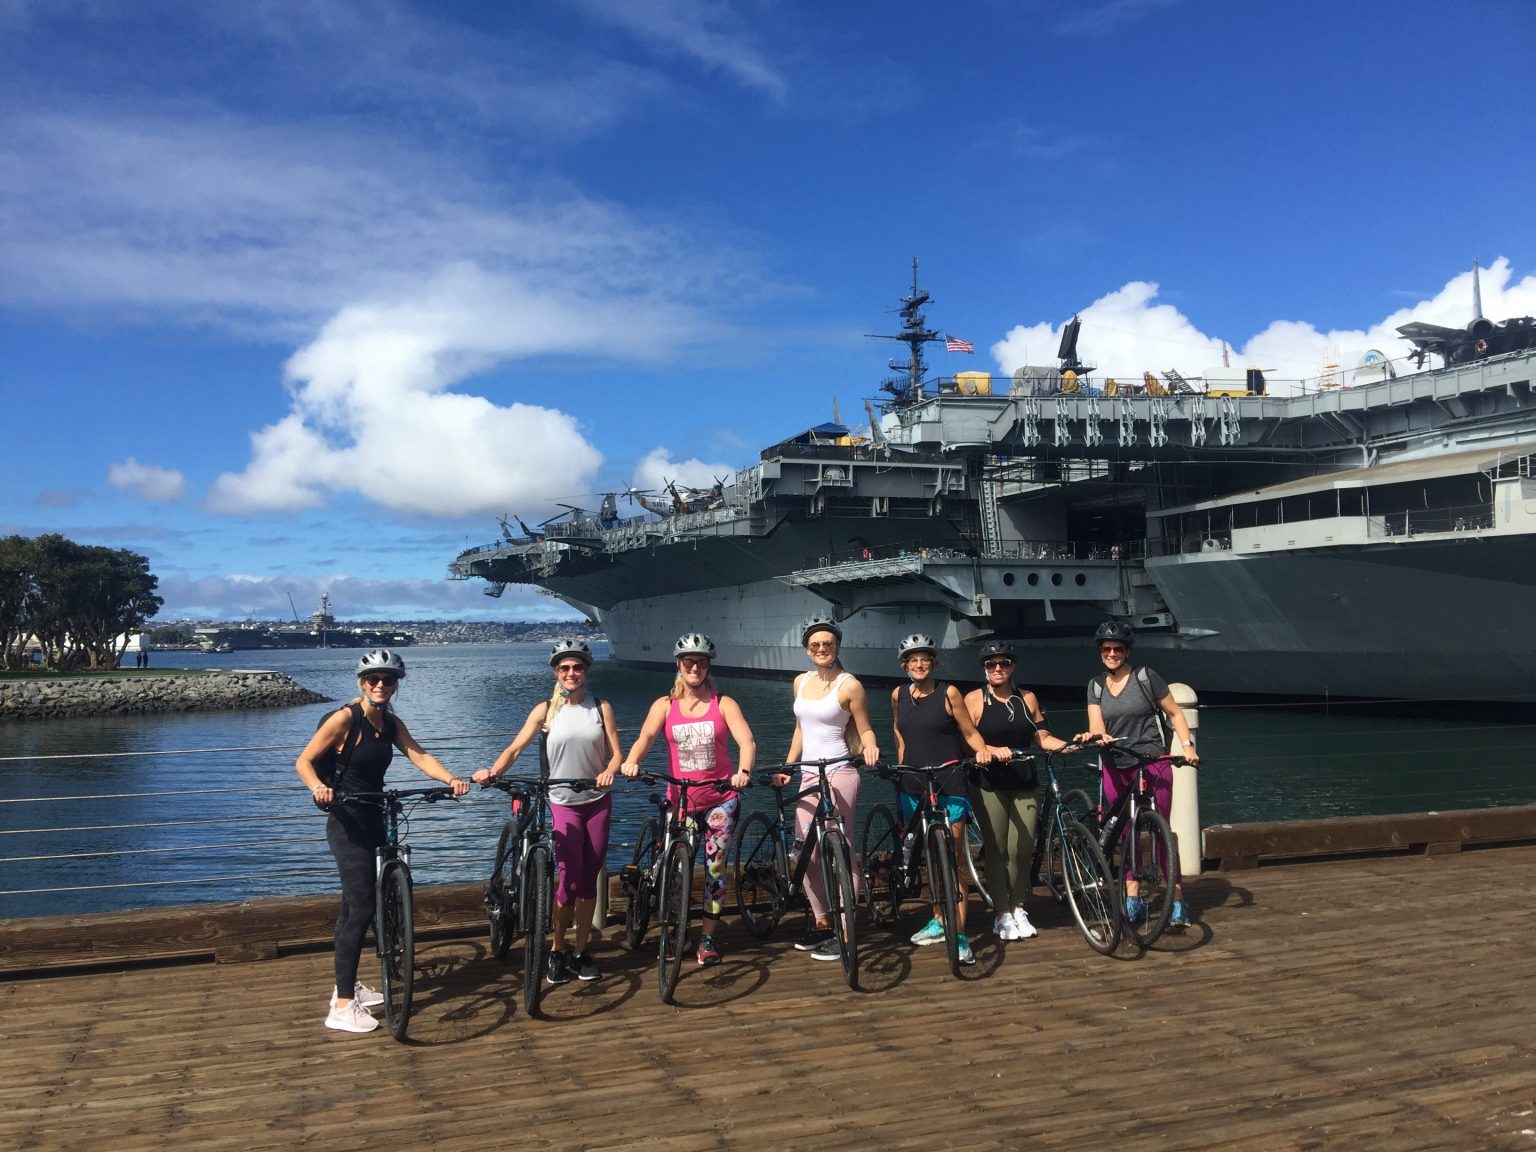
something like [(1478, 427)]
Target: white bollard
[(600, 909), (1184, 814)]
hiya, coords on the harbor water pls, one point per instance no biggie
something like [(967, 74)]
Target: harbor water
[(115, 813)]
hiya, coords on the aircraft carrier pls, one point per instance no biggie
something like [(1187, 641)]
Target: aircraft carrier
[(1372, 536)]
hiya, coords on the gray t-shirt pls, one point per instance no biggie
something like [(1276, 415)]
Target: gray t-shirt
[(1130, 716)]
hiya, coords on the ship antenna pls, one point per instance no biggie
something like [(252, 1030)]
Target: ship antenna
[(1477, 294), (914, 334)]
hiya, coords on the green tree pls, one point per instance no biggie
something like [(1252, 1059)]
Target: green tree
[(83, 598), (15, 584)]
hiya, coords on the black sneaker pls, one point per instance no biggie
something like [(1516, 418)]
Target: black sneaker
[(585, 969), (559, 971), (813, 939)]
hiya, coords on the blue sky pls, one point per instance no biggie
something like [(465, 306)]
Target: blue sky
[(300, 296)]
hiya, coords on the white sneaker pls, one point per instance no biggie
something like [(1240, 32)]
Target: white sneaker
[(1003, 927), (1022, 928), (351, 1018), (370, 997)]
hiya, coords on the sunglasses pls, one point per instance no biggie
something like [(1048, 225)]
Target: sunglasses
[(386, 681), (1112, 650), (997, 664), (821, 645), (694, 661), (574, 666)]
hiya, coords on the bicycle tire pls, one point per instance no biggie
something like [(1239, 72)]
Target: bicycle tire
[(761, 871), (1052, 875), (397, 946), (1147, 857), (535, 917), (1092, 892), (974, 844), (884, 872), (501, 896), (1077, 805), (676, 897), (945, 885), (842, 904), (639, 887)]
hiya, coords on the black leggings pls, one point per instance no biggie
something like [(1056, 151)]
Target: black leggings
[(353, 849)]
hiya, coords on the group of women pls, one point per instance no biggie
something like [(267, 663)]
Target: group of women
[(933, 724)]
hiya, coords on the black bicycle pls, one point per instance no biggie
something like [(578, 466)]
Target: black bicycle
[(1071, 864), (394, 925), (659, 877), (770, 867), (894, 855), (1135, 837), (519, 895)]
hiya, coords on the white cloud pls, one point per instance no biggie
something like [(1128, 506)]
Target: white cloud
[(708, 33), (1127, 332), (658, 467), (245, 597), (147, 481)]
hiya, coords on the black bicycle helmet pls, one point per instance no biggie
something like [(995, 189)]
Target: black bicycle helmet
[(916, 642), (570, 647), (820, 624), (381, 660), (693, 644), (997, 649), (1114, 630)]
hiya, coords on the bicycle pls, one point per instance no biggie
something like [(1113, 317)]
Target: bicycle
[(394, 929), (892, 855), (768, 866), (519, 894), (1135, 837), (660, 877), (1072, 865)]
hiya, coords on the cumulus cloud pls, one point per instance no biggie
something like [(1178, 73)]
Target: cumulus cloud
[(147, 481), (658, 467), (1128, 332)]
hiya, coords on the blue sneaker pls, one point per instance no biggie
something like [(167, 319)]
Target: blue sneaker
[(1136, 909), (930, 933), (966, 955), (1180, 918)]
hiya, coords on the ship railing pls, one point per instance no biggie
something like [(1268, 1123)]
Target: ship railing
[(1419, 521), (1076, 550)]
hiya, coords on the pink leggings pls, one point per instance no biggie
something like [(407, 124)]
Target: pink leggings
[(1159, 783), (580, 833), (845, 796)]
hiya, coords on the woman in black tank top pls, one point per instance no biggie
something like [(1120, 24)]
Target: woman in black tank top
[(1006, 810), (932, 727)]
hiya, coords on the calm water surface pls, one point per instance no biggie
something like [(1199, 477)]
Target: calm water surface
[(179, 809)]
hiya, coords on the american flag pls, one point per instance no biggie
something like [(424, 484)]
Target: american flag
[(955, 344)]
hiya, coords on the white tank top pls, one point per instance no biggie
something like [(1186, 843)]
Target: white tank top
[(577, 749), (823, 723)]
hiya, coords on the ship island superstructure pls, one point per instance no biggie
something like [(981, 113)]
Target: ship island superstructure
[(1376, 540)]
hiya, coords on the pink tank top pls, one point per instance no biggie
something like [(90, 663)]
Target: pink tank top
[(699, 750)]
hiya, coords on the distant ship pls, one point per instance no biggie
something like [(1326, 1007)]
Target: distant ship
[(321, 631), (1370, 541)]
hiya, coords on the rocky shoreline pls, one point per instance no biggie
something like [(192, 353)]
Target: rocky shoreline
[(119, 695)]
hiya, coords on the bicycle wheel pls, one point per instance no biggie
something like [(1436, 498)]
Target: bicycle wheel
[(397, 946), (535, 917), (501, 892), (638, 889), (842, 905), (762, 874), (1052, 872), (1091, 889), (941, 877), (1078, 805), (676, 898), (1146, 860), (884, 875), (973, 845)]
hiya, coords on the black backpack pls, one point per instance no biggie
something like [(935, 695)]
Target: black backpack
[(328, 763)]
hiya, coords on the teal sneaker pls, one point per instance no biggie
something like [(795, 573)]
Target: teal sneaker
[(1136, 909), (930, 933), (966, 955), (1180, 917)]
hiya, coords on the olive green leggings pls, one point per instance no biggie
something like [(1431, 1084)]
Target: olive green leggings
[(1007, 821)]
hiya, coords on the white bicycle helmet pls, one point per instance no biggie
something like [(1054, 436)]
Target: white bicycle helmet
[(693, 644), (381, 660), (570, 647), (916, 642), (820, 624)]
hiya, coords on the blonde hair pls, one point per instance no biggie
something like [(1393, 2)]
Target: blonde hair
[(679, 686)]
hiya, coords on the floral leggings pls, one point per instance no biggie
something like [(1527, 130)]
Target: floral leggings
[(718, 825)]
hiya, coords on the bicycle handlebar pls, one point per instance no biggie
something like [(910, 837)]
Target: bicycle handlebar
[(683, 785), (430, 795), (535, 783), (824, 762)]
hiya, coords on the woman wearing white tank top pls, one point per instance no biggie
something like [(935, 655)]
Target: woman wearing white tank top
[(827, 699)]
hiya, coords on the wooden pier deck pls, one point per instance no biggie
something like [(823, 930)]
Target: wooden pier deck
[(1377, 1004)]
